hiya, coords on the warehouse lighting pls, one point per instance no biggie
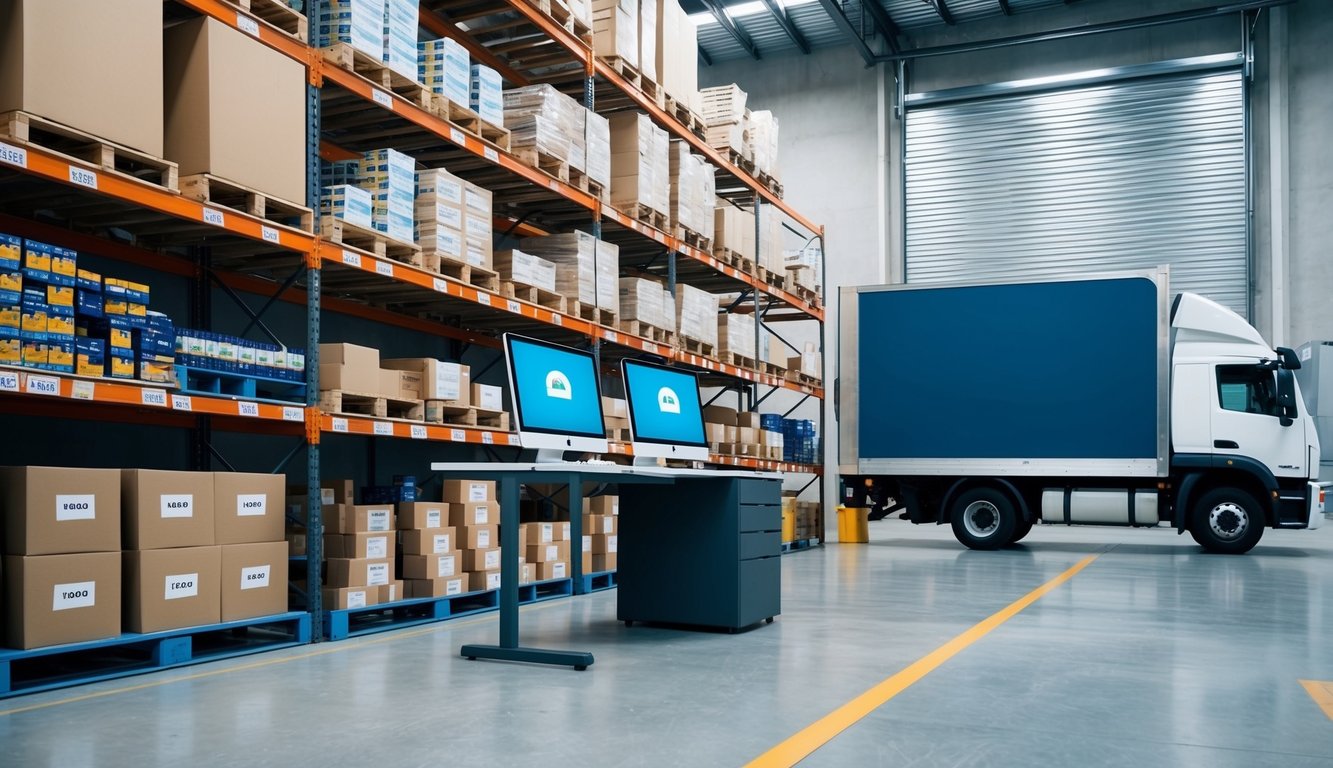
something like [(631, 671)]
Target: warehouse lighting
[(743, 9)]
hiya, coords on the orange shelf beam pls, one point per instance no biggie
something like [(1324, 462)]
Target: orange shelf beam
[(339, 424), (266, 33)]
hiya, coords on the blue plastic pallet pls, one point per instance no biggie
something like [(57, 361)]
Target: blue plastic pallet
[(62, 666), (597, 582), (798, 545), (352, 622), (197, 381)]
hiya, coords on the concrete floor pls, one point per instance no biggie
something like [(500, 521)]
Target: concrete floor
[(1154, 655)]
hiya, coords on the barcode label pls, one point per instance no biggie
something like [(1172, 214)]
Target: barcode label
[(9, 382), (384, 268), (13, 155), (441, 285), (290, 413), (610, 335), (43, 385), (351, 259), (247, 25), (557, 319), (458, 435), (153, 397), (650, 348), (381, 98), (383, 428), (214, 217), (491, 155), (247, 409), (83, 178), (182, 403), (339, 424), (515, 307), (270, 234), (418, 432), (483, 298), (488, 438), (457, 137), (513, 439), (554, 185)]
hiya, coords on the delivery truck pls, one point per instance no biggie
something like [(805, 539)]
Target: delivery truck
[(1097, 400)]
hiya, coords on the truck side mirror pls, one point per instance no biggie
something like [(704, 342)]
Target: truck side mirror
[(1290, 360), (1286, 396)]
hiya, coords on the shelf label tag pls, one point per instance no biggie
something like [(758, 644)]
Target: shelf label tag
[(488, 438), (82, 177), (270, 234), (458, 435), (182, 403), (43, 385), (9, 381), (247, 25), (13, 155), (339, 425), (515, 307), (557, 319), (491, 154), (383, 428), (457, 137), (247, 409), (418, 432), (441, 285), (483, 298), (292, 413), (384, 268), (82, 390), (214, 217), (650, 347), (351, 259), (513, 439), (554, 184), (156, 397), (610, 335), (381, 98)]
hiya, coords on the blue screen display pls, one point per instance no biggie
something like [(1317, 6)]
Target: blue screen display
[(556, 389), (664, 405)]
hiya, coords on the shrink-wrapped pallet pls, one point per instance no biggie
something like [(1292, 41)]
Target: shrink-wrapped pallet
[(526, 269), (615, 30), (692, 191), (597, 148), (399, 28), (444, 67), (643, 301), (390, 178), (734, 230), (359, 23), (763, 137), (439, 214), (587, 270), (542, 118), (735, 334), (640, 163), (696, 314)]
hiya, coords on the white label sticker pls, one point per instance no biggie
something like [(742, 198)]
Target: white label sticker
[(483, 538), (379, 520), (487, 438), (247, 25), (611, 336), (476, 492), (1306, 354), (181, 585), (43, 385), (377, 546), (251, 505), (9, 381), (513, 439), (587, 543), (441, 285), (214, 217), (492, 581), (182, 403), (458, 435), (339, 424), (483, 298), (381, 98), (433, 519), (481, 515), (445, 566), (356, 599), (82, 177), (247, 409), (440, 544), (82, 390), (156, 397), (611, 544), (291, 413), (384, 268), (13, 155), (457, 136), (608, 524), (269, 234), (554, 185), (177, 505), (557, 319), (326, 496), (255, 577), (558, 569), (79, 594), (76, 507), (351, 259), (491, 154), (492, 559), (383, 428), (454, 587), (418, 432), (515, 307), (650, 348), (552, 552), (547, 533), (377, 574)]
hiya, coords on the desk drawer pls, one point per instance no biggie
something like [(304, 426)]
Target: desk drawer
[(765, 544), (760, 492), (766, 518)]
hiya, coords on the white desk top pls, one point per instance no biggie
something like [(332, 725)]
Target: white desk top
[(595, 470)]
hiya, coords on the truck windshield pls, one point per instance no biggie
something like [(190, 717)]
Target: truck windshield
[(1247, 389)]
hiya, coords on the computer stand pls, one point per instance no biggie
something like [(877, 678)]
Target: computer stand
[(550, 455)]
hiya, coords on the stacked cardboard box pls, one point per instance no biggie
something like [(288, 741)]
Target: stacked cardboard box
[(359, 23), (526, 269), (487, 94), (586, 269), (647, 35), (541, 118), (735, 334), (578, 139), (474, 513), (696, 314), (733, 230), (804, 265), (601, 532), (444, 67), (693, 183), (640, 163), (743, 434), (399, 25), (615, 415), (546, 547), (597, 150), (390, 177), (440, 221), (763, 140), (350, 203), (807, 520), (477, 241), (724, 114), (432, 565), (647, 301), (806, 363), (249, 527), (771, 239), (359, 548), (678, 54), (439, 383), (615, 30)]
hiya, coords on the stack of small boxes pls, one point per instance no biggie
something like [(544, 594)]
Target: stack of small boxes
[(359, 546), (601, 531), (586, 269), (47, 307), (477, 243), (475, 514), (431, 564), (401, 18), (696, 315), (735, 334), (693, 191), (646, 301), (487, 94), (743, 434), (615, 417), (439, 217), (390, 177), (542, 118), (359, 23), (443, 66), (209, 351), (640, 163), (546, 551), (11, 300), (348, 202)]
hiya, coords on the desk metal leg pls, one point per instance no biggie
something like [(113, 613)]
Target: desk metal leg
[(576, 532), (509, 649)]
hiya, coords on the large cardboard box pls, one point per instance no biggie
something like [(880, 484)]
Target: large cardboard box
[(481, 559), (605, 504), (172, 588), (481, 581), (162, 509), (604, 562), (543, 553), (92, 65), (54, 510), (343, 598), (54, 599), (553, 569), (358, 518), (464, 491), (248, 507), (394, 590), (375, 546), (443, 587), (430, 541), (478, 536), (474, 513), (358, 572), (422, 515), (235, 108), (439, 380), (254, 580), (431, 566)]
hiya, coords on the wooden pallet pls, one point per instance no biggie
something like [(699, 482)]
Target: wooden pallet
[(772, 184), (559, 11), (618, 435), (344, 232), (805, 293), (740, 361), (464, 117), (533, 295), (592, 313), (584, 182), (772, 369), (775, 279), (624, 69), (207, 188), (685, 116), (648, 216), (650, 332), (478, 277), (441, 412), (734, 259), (551, 164), (690, 237), (739, 160), (72, 144), (801, 378), (279, 14), (363, 404), (344, 56), (696, 347)]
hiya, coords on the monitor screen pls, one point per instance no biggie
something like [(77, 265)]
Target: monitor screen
[(664, 404), (555, 388)]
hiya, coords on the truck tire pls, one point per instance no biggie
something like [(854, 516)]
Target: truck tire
[(1021, 529), (983, 518), (1228, 521)]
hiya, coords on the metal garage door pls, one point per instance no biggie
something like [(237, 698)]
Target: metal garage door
[(1122, 175)]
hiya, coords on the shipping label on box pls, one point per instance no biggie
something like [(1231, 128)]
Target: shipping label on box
[(478, 536), (488, 397), (468, 491), (432, 541), (53, 510), (422, 515)]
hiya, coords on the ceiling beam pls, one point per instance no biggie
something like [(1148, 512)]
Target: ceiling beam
[(884, 23), (834, 11), (729, 24), (1005, 9), (942, 8), (780, 15), (704, 58)]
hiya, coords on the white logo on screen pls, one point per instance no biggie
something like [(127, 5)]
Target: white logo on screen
[(667, 402), (557, 385)]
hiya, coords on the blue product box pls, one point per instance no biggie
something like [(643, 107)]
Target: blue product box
[(37, 260), (88, 303), (11, 253)]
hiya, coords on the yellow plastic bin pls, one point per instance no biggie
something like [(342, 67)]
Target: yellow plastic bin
[(853, 527), (788, 525)]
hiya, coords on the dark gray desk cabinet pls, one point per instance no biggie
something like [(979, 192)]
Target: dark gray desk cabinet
[(704, 552)]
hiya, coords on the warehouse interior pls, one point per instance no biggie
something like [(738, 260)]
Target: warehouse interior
[(286, 255)]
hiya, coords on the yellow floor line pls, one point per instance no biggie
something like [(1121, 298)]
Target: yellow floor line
[(812, 737), (333, 647), (1322, 693)]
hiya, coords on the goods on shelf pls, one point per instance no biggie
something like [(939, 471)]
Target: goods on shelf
[(221, 353), (526, 269), (49, 66), (439, 217), (640, 165), (770, 241), (733, 230), (603, 507), (390, 177), (541, 119), (735, 336), (615, 418), (487, 94), (399, 26), (678, 54), (724, 114), (449, 383), (762, 135), (586, 269), (210, 120), (804, 265), (597, 150), (444, 67), (350, 203), (648, 39), (359, 23), (806, 363), (742, 434), (647, 302), (615, 30), (693, 183), (477, 240), (696, 315)]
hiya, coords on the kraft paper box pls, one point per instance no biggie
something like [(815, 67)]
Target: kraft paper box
[(54, 510), (478, 536), (463, 491), (431, 566), (254, 580), (359, 572), (542, 553), (604, 543), (488, 397), (358, 518), (248, 507), (453, 585), (561, 531), (601, 505), (538, 533), (172, 588), (431, 541), (481, 559), (343, 598), (422, 515), (474, 513), (604, 562), (55, 599), (375, 546), (555, 569), (481, 581), (393, 591), (162, 509)]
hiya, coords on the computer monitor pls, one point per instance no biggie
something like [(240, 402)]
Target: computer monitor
[(557, 400), (666, 418)]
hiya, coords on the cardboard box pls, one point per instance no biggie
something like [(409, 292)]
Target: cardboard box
[(358, 572), (601, 505), (214, 99), (349, 378), (527, 573), (748, 419), (719, 414), (604, 562), (450, 382), (464, 491), (422, 515), (373, 546), (478, 536), (254, 580), (587, 562), (604, 543), (615, 407), (488, 397), (353, 355), (538, 533), (474, 513), (554, 569), (431, 566), (453, 585), (172, 588), (54, 599), (343, 598), (601, 524), (747, 435), (358, 518), (54, 510), (715, 433), (561, 531), (542, 553), (247, 508), (430, 541), (161, 509), (481, 559), (50, 65), (481, 581)]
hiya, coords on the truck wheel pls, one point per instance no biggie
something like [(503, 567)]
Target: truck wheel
[(983, 518), (1021, 529), (1228, 521)]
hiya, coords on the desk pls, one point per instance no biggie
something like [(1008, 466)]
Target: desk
[(510, 476)]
